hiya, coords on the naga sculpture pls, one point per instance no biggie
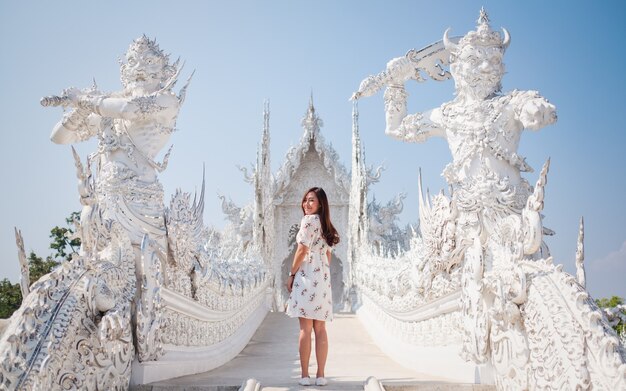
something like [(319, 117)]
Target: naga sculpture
[(534, 323), (81, 325)]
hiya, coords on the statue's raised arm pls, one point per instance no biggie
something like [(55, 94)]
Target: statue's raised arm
[(133, 125), (481, 125), (415, 65)]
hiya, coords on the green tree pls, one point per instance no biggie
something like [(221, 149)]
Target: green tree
[(64, 247), (61, 243), (614, 301), (37, 267), (10, 298)]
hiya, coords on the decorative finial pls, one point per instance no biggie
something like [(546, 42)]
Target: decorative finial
[(266, 124), (24, 269), (580, 254), (311, 122), (483, 18), (266, 106), (311, 106)]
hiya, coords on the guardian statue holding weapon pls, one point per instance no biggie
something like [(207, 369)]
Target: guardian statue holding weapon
[(495, 213), (132, 126), (82, 325)]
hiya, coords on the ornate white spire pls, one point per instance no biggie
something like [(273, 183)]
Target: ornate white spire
[(264, 152), (580, 254), (358, 186), (263, 189), (357, 210), (311, 122)]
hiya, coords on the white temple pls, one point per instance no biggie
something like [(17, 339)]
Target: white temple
[(473, 294), (311, 163), (274, 216)]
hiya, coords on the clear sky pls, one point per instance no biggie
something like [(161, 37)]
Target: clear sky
[(243, 52)]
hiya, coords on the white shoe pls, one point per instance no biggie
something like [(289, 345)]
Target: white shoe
[(321, 381), (305, 381)]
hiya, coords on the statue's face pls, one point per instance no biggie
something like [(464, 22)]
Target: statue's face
[(143, 71), (477, 71)]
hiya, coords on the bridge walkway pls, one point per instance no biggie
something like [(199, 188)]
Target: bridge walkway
[(271, 357)]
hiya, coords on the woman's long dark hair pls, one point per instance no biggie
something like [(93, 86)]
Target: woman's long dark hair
[(329, 233)]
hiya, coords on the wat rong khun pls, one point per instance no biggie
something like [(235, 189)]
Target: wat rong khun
[(471, 294)]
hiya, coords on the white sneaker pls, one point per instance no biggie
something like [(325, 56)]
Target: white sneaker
[(305, 381), (321, 381)]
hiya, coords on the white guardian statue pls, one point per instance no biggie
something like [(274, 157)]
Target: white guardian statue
[(535, 324), (82, 325), (132, 127)]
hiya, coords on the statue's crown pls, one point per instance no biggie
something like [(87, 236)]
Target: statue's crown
[(483, 36), (141, 47), (144, 45)]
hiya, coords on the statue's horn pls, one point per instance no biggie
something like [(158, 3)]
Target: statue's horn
[(447, 42), (507, 39)]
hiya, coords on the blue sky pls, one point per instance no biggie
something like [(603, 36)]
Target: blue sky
[(247, 51)]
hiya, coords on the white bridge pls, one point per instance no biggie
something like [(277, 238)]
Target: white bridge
[(271, 360), (469, 299)]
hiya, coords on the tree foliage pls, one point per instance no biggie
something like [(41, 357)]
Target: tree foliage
[(614, 301), (38, 267), (61, 241), (615, 310), (64, 248), (10, 298)]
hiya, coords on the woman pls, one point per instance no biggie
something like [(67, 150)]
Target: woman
[(310, 298)]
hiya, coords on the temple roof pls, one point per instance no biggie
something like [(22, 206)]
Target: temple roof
[(311, 138)]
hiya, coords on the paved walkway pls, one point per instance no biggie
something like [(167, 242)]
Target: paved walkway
[(271, 357)]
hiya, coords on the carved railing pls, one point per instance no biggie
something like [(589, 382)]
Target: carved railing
[(194, 310), (204, 333), (212, 300), (421, 329)]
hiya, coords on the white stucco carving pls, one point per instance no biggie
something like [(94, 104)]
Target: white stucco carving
[(75, 328), (534, 323), (73, 331), (24, 272)]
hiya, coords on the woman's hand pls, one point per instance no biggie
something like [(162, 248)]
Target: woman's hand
[(289, 283)]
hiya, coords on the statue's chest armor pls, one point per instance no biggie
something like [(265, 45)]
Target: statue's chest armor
[(479, 126), (147, 136)]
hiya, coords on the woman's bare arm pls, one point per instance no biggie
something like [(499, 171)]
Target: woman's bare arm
[(298, 258)]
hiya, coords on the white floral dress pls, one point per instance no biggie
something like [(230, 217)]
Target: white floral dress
[(311, 295)]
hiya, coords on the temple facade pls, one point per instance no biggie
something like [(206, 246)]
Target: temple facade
[(278, 198)]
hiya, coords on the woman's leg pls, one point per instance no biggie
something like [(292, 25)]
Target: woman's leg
[(321, 345), (306, 325)]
